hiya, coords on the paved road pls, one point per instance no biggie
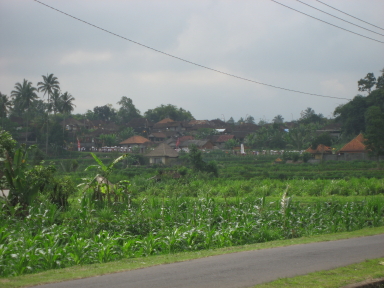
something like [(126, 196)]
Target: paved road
[(243, 269)]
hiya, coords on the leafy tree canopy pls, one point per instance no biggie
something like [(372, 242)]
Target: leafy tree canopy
[(367, 83), (168, 111), (380, 80), (352, 115), (250, 120), (127, 110), (309, 116), (104, 113), (231, 121), (323, 138), (262, 122), (240, 121), (269, 136), (204, 133), (195, 157), (375, 130), (231, 143)]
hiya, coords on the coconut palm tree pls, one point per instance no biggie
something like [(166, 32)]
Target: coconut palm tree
[(48, 86), (5, 105), (56, 102), (23, 96), (66, 105)]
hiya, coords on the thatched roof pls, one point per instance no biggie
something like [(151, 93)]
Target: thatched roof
[(163, 150)]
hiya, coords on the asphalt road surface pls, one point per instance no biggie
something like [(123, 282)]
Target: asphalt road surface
[(243, 269)]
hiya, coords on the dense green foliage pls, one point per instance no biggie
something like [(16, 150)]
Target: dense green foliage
[(375, 130), (249, 202), (168, 111), (92, 233), (80, 208), (352, 114)]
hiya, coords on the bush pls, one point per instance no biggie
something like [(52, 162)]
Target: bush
[(183, 171), (306, 156)]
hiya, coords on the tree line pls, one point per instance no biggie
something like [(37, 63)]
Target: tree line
[(44, 114)]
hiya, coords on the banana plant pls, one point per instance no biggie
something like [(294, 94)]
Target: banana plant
[(100, 181), (22, 189)]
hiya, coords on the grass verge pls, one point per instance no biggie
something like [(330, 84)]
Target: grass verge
[(84, 271), (339, 277)]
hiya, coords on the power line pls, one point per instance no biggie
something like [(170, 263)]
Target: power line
[(349, 15), (187, 61), (340, 18), (328, 22)]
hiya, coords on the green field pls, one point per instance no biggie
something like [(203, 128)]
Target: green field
[(167, 210)]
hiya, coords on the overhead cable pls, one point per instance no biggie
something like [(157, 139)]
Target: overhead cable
[(349, 15), (328, 22), (187, 61), (340, 18)]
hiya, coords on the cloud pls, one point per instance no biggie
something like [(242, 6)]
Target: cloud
[(191, 77), (82, 57), (333, 86)]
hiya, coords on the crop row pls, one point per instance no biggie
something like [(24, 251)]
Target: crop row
[(196, 186), (97, 232)]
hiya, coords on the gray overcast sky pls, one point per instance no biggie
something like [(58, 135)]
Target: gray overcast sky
[(258, 40)]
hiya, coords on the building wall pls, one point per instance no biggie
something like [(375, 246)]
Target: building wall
[(157, 160)]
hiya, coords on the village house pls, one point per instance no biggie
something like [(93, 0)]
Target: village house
[(174, 142), (162, 154), (168, 124), (219, 140), (158, 137), (355, 149), (136, 142), (319, 152), (200, 144), (141, 125), (333, 129)]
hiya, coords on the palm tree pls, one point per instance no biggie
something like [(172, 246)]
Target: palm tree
[(56, 102), (66, 105), (5, 105), (48, 86), (278, 119), (23, 96)]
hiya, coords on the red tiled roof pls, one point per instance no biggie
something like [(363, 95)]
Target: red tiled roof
[(135, 140), (159, 135), (356, 145), (186, 138), (310, 150), (166, 120), (224, 138), (321, 148), (139, 122)]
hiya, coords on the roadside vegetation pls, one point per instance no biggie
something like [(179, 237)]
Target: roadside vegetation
[(67, 208), (366, 273), (102, 213)]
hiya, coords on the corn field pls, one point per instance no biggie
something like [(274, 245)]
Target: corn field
[(97, 232)]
